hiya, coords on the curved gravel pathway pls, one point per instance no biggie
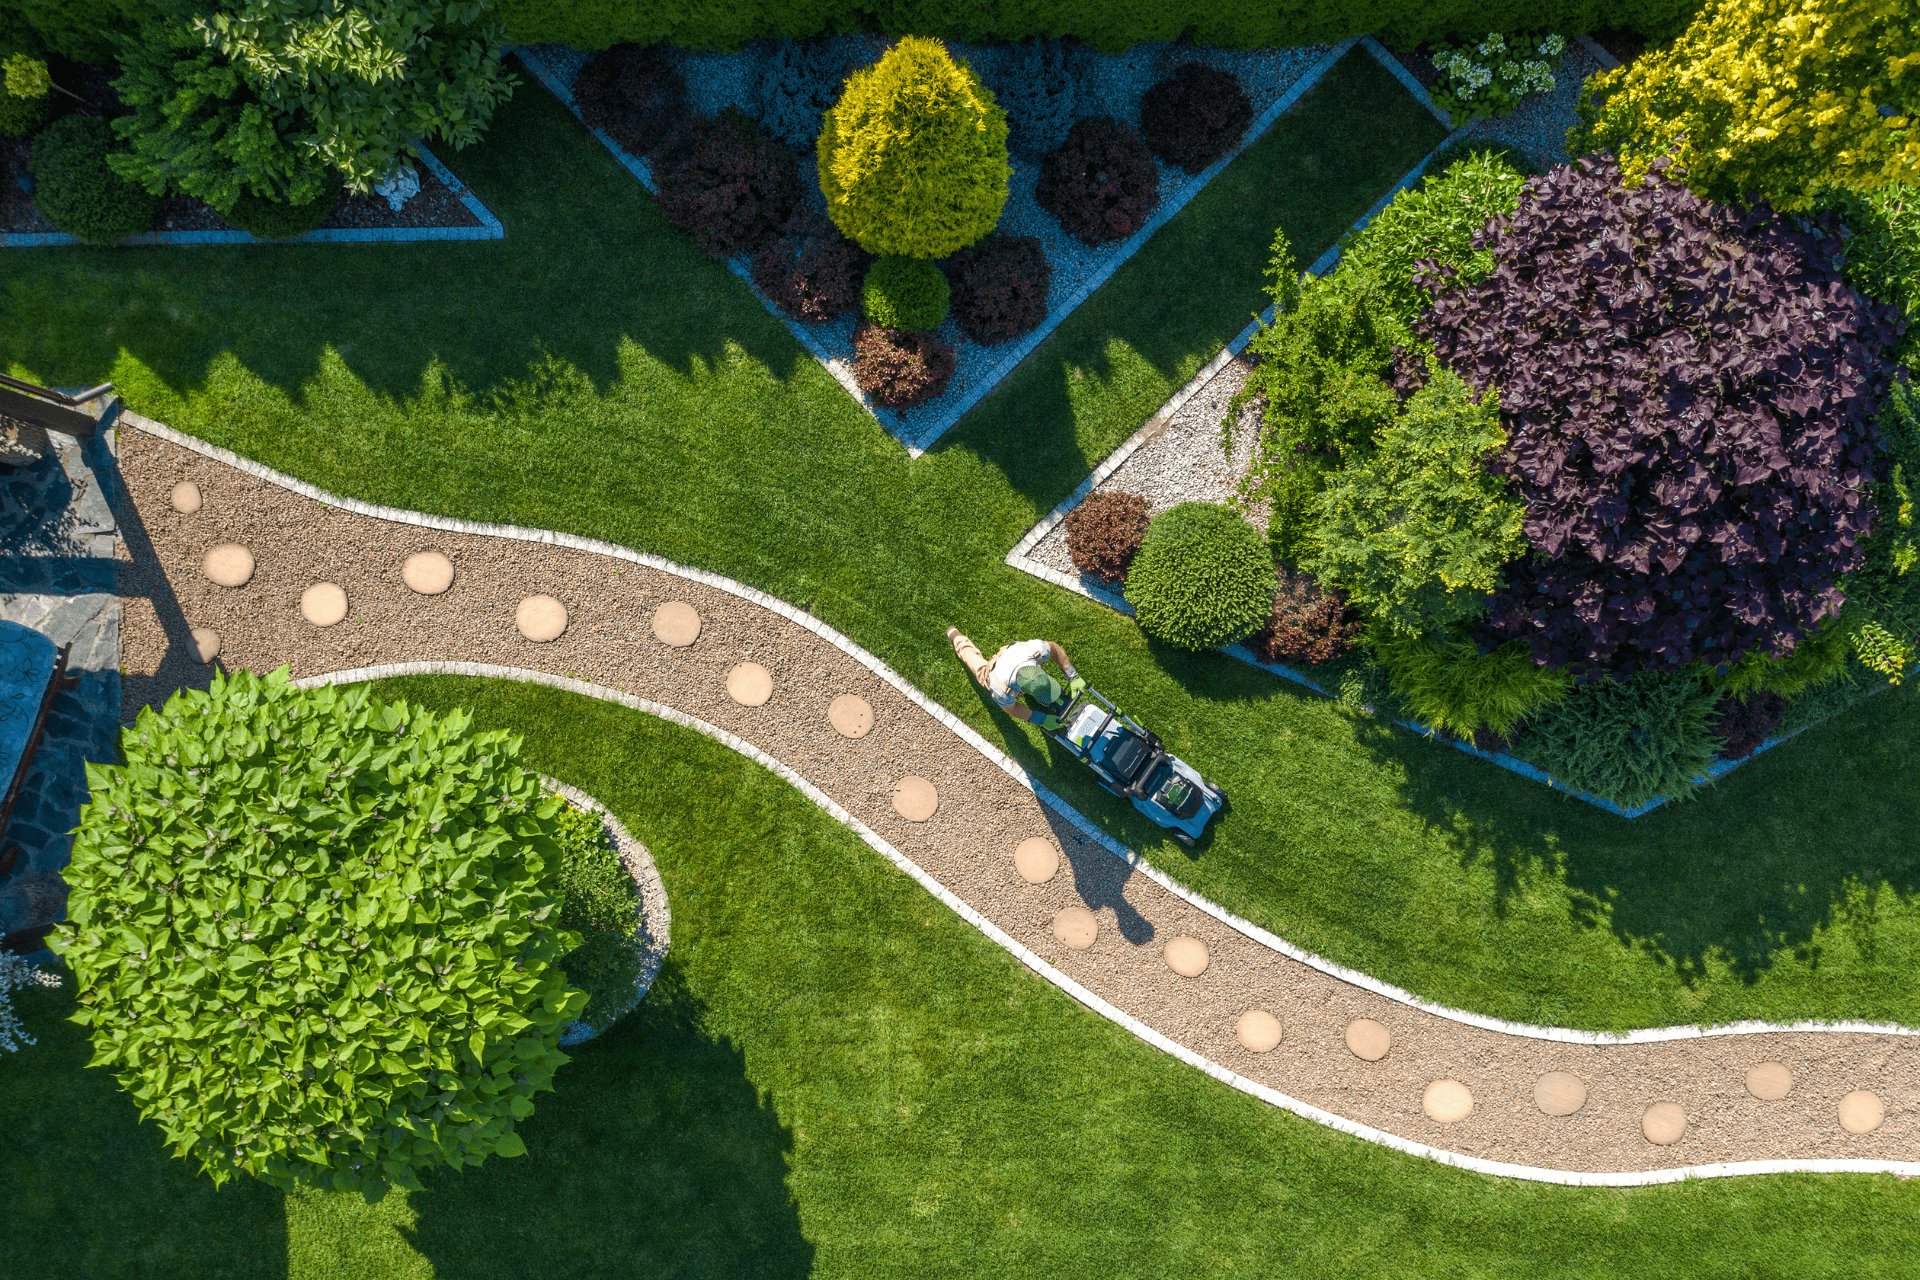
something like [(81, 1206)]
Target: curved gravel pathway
[(782, 688)]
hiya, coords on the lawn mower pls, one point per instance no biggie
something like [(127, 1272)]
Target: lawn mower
[(1131, 763)]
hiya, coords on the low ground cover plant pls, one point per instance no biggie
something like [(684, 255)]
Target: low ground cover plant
[(798, 82), (1101, 182), (78, 190), (1196, 116), (900, 369), (1000, 288), (905, 293), (633, 93), (725, 183), (16, 974), (1104, 533), (1490, 77), (316, 937), (600, 906), (1036, 82), (1203, 577)]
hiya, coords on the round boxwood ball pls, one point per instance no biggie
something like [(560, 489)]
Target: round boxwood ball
[(908, 294), (1202, 578), (277, 220), (77, 191)]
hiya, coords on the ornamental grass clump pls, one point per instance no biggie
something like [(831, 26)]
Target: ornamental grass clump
[(1203, 577), (25, 95), (1688, 391), (1104, 534), (1195, 117), (913, 157), (1453, 685), (317, 937), (1101, 183), (1647, 737)]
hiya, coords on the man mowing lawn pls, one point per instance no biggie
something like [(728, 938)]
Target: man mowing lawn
[(1018, 670)]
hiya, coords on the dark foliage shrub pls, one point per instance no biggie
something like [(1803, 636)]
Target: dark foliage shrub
[(77, 191), (1203, 577), (600, 906), (1101, 182), (1104, 534), (1688, 390), (900, 370), (800, 80), (277, 220), (1309, 622), (21, 116), (1196, 117), (315, 935), (1000, 288), (814, 276), (1743, 723), (632, 92), (725, 183), (909, 294), (1629, 741), (1036, 83), (1454, 686)]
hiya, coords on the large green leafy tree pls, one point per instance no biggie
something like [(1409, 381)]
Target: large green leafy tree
[(262, 97)]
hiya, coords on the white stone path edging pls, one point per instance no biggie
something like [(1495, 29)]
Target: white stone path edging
[(1020, 775)]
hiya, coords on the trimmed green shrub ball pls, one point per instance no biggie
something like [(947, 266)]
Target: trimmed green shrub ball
[(78, 192), (278, 220), (317, 937), (909, 294), (1203, 577)]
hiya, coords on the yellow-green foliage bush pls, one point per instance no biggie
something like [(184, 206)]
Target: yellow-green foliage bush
[(1778, 97), (913, 158)]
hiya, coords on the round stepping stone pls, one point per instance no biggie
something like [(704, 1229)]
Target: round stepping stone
[(185, 497), (1075, 927), (1559, 1093), (914, 798), (850, 715), (1368, 1039), (228, 565), (1036, 860), (1186, 956), (676, 624), (1446, 1101), (1257, 1030), (750, 684), (206, 643), (1861, 1112), (1769, 1081), (427, 572), (323, 604), (541, 618), (1664, 1123)]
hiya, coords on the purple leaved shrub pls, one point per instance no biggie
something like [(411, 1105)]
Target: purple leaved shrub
[(725, 183), (1688, 390)]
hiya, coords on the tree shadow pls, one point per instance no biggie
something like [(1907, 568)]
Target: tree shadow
[(91, 1190), (655, 1156)]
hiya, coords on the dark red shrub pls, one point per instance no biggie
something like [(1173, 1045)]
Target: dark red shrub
[(900, 370), (724, 182), (1101, 182), (1104, 532), (813, 274), (1743, 724), (1310, 623), (633, 93), (1688, 391), (999, 288), (1196, 117)]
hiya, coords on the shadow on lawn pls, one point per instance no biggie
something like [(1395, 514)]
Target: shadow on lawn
[(656, 1156), (1764, 865)]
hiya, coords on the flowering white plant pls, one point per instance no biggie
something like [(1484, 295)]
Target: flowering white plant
[(15, 972), (1491, 77)]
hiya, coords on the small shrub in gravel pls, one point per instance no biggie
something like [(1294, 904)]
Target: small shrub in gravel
[(725, 183), (1203, 577), (1037, 85), (813, 278), (1104, 534), (909, 294), (278, 220), (1000, 288), (633, 92), (1101, 182), (1196, 117), (1742, 724), (24, 95), (1309, 622), (76, 190), (900, 370), (801, 80), (598, 902)]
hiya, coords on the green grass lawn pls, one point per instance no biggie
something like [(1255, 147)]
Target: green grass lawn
[(836, 1077), (591, 373)]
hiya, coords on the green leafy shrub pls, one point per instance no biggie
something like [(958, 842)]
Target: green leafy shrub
[(1815, 660), (909, 294), (598, 904), (1883, 595), (76, 189), (316, 936), (1416, 530), (1436, 220), (1455, 686), (1203, 577), (1628, 741), (1454, 152), (1479, 80), (83, 30), (278, 220), (24, 86), (1883, 256), (913, 158)]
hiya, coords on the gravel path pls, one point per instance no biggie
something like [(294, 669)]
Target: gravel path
[(967, 846)]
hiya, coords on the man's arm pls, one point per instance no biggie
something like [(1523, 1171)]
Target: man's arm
[(1020, 711), (1060, 656)]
